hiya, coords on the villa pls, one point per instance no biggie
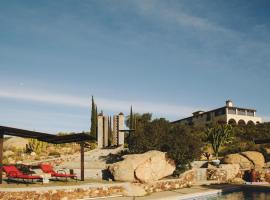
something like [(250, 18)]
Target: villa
[(228, 114)]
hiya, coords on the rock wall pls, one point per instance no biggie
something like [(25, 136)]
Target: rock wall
[(185, 180), (224, 173), (84, 191), (61, 194)]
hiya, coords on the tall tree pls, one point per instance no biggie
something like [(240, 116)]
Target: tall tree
[(93, 131), (131, 119)]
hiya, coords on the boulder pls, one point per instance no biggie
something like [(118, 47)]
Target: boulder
[(238, 159), (246, 160), (147, 167), (255, 157), (231, 169), (15, 143), (155, 168)]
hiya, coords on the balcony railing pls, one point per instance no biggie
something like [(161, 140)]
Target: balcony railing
[(235, 111)]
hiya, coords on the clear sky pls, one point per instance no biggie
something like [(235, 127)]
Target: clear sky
[(166, 57)]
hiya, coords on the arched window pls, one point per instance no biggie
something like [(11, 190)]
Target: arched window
[(232, 122), (250, 123), (241, 122)]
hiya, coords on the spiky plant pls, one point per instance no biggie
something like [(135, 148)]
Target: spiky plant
[(219, 136)]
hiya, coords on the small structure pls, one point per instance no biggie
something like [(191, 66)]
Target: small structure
[(229, 114), (103, 131), (45, 137), (115, 133)]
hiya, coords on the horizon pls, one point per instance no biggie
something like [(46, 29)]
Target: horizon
[(169, 58)]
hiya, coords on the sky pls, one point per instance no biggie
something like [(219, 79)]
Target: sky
[(169, 58)]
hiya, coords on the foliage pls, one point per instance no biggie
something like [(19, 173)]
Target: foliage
[(93, 130), (183, 143), (91, 145), (131, 120), (36, 146), (244, 137), (218, 136)]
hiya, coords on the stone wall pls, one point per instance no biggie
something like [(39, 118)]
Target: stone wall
[(62, 194), (185, 180), (224, 173), (97, 190)]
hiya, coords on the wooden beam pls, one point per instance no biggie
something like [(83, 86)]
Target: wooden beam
[(82, 161), (1, 156)]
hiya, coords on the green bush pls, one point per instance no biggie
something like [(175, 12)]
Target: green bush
[(183, 143)]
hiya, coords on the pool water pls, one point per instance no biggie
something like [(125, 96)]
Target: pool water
[(240, 195)]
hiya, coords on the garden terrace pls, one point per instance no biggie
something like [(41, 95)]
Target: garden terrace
[(45, 137)]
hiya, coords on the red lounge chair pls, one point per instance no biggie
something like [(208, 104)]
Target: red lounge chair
[(13, 173), (47, 168)]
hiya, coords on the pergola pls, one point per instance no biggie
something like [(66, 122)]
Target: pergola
[(45, 137)]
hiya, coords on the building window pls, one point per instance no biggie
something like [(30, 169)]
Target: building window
[(241, 112), (250, 113), (232, 111)]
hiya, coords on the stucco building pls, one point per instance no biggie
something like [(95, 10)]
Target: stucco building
[(228, 114)]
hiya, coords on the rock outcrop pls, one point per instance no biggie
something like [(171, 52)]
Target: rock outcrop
[(147, 167), (246, 160)]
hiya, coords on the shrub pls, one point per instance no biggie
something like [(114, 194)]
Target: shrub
[(91, 145), (183, 143)]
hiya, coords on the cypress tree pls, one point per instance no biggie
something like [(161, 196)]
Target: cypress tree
[(131, 120), (93, 131)]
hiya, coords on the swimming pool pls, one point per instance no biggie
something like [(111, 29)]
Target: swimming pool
[(239, 195)]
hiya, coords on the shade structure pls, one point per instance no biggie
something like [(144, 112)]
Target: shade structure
[(80, 138)]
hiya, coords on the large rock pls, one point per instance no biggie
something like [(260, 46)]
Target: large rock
[(255, 157), (246, 160), (147, 167), (231, 169), (15, 143)]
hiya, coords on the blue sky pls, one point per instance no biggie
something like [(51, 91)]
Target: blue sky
[(165, 57)]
